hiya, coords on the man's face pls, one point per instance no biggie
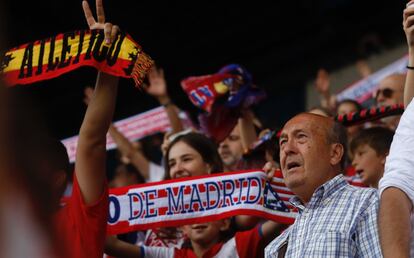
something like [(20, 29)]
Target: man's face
[(390, 91), (368, 164), (305, 153), (231, 149)]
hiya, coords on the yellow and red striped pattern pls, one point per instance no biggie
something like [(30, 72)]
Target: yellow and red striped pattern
[(53, 56)]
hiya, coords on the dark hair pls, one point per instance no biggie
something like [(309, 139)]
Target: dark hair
[(337, 134), (203, 145), (378, 138), (56, 154), (349, 101)]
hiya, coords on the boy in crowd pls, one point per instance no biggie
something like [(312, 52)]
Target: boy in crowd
[(368, 150)]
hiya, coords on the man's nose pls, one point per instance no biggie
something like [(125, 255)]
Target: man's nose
[(289, 147), (223, 143)]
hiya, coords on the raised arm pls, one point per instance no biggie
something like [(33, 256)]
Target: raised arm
[(158, 88), (322, 86), (91, 151), (247, 131), (408, 24), (127, 149), (396, 185)]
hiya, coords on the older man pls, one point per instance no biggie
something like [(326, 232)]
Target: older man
[(335, 219), (231, 149)]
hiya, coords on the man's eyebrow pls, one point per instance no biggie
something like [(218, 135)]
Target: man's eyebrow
[(282, 136), (296, 131)]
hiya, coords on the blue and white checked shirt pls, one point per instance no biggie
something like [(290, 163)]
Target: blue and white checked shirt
[(339, 221)]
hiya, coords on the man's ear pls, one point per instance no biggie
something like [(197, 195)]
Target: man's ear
[(225, 224), (337, 152)]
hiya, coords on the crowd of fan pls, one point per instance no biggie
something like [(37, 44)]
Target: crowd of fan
[(334, 219)]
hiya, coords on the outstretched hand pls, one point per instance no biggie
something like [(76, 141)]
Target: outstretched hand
[(322, 82), (110, 31), (157, 86)]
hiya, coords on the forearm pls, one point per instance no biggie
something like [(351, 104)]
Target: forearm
[(122, 143), (172, 114), (409, 81), (91, 151), (100, 110), (247, 131), (126, 148), (394, 223)]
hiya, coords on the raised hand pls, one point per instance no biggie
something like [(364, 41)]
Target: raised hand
[(408, 22), (157, 86), (322, 82), (110, 30)]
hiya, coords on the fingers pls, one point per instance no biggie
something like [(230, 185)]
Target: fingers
[(100, 11), (114, 32), (166, 233), (409, 22), (408, 11), (107, 32), (88, 14), (269, 168)]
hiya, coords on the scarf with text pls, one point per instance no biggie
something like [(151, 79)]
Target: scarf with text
[(49, 58), (195, 200), (200, 199)]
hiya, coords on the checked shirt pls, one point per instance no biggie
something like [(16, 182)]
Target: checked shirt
[(339, 221)]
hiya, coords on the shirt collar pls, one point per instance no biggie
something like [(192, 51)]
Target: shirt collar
[(321, 193)]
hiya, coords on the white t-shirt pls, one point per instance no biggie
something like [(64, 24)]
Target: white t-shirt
[(399, 166)]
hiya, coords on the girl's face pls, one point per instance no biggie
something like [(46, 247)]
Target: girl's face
[(184, 161)]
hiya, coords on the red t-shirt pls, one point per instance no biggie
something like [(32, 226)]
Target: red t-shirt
[(81, 228), (244, 244)]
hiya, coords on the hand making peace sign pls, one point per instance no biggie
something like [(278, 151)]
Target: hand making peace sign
[(110, 30)]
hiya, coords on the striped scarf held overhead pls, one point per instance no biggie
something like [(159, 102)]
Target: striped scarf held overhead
[(51, 57)]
